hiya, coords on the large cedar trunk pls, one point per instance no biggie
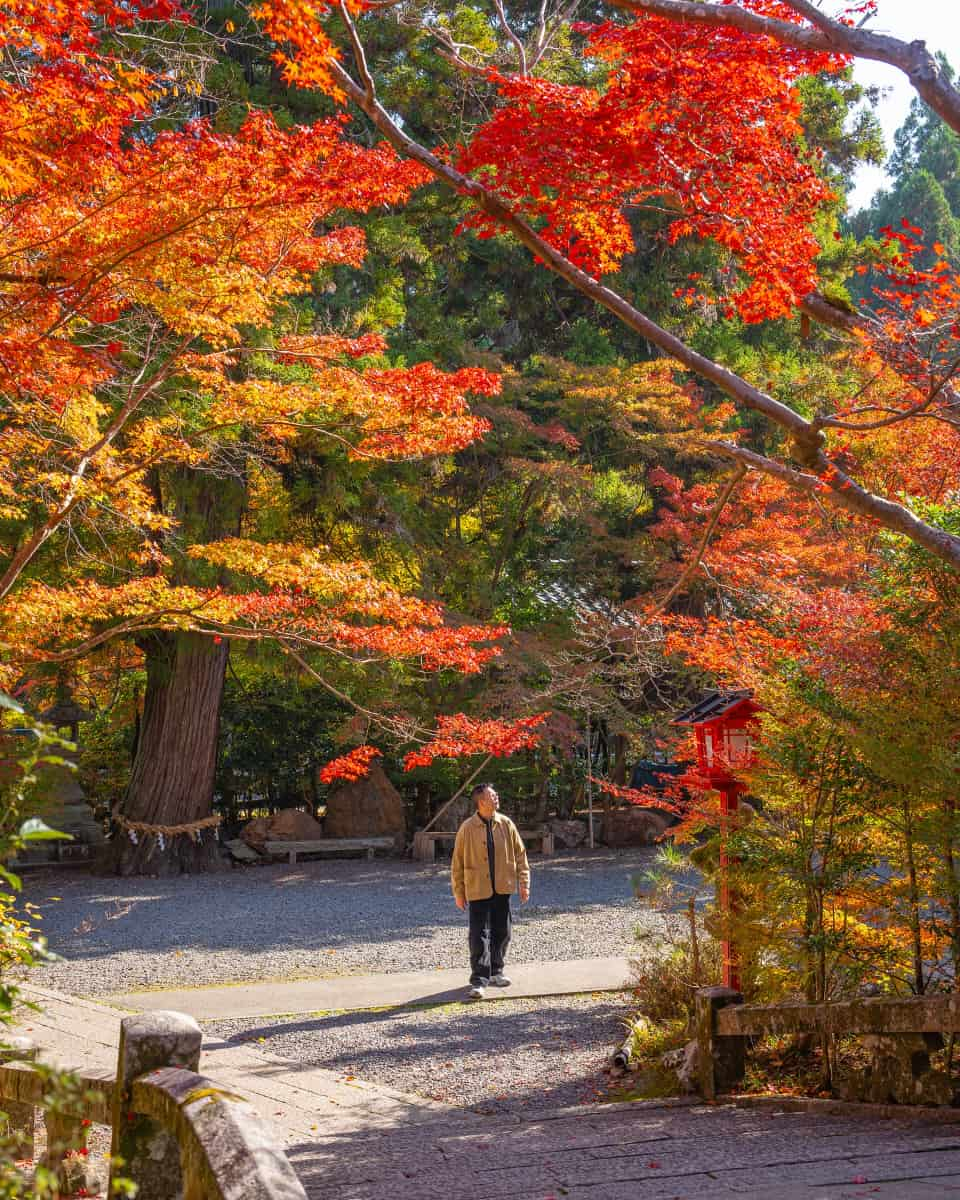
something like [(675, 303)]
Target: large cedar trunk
[(173, 770)]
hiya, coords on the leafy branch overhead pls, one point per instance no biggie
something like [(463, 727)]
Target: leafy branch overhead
[(567, 161)]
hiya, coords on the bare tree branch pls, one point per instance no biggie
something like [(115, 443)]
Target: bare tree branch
[(359, 56), (511, 35), (722, 500)]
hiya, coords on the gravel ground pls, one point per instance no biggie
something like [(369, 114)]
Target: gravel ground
[(494, 1057), (317, 919)]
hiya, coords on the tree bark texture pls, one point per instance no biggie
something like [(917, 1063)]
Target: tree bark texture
[(173, 771)]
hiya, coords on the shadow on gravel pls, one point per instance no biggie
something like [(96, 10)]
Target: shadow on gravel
[(479, 1056)]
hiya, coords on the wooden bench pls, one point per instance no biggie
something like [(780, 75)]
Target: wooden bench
[(425, 843), (328, 846)]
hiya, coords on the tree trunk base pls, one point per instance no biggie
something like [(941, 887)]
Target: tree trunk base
[(172, 778), (181, 856)]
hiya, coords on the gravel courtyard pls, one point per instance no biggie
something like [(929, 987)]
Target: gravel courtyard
[(497, 1057), (331, 918), (321, 918)]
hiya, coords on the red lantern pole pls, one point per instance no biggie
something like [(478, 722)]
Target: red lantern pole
[(729, 801), (721, 722)]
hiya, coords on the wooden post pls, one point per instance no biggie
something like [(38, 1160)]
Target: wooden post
[(720, 1061), (729, 803), (150, 1155), (588, 781), (424, 847), (20, 1115), (457, 794)]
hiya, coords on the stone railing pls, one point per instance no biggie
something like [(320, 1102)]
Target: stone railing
[(174, 1132), (899, 1034)]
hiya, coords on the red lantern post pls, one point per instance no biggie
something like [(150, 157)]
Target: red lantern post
[(722, 724)]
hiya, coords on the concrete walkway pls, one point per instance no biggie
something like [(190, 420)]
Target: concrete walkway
[(353, 992)]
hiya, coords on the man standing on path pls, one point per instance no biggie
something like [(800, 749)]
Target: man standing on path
[(489, 865)]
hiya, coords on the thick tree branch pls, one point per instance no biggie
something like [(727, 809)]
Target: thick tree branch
[(912, 58), (844, 492), (825, 312)]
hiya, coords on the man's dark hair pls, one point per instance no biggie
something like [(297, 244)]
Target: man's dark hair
[(481, 787)]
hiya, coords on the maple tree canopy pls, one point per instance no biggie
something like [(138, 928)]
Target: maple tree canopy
[(135, 261), (697, 111)]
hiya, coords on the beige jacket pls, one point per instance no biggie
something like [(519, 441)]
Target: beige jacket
[(470, 871)]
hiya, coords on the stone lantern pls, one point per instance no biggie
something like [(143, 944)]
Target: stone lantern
[(66, 714), (63, 803)]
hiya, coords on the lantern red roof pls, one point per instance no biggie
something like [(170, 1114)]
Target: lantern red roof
[(719, 706), (722, 723)]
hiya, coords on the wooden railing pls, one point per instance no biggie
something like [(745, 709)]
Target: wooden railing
[(899, 1032), (174, 1132)]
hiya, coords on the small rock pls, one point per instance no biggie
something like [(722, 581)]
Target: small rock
[(287, 825), (78, 1174)]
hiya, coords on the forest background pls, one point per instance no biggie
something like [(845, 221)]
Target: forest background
[(306, 542)]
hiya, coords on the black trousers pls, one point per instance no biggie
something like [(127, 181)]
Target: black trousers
[(490, 922)]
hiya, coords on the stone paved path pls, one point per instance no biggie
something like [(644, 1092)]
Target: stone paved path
[(295, 1101), (350, 1140), (641, 1152)]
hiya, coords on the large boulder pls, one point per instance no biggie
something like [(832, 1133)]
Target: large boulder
[(287, 825), (634, 826), (369, 807), (568, 835)]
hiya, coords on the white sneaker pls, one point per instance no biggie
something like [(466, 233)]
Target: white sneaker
[(475, 992), (501, 980)]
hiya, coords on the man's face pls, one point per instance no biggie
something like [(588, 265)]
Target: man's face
[(487, 803)]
